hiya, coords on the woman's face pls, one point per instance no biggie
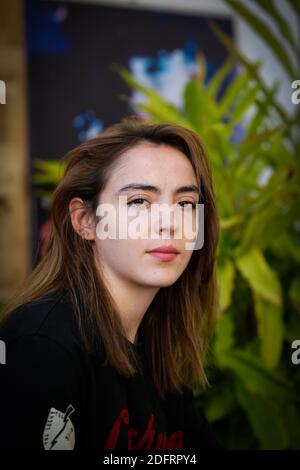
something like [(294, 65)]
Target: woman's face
[(125, 253)]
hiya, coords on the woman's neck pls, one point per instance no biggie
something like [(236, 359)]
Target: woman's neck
[(132, 301)]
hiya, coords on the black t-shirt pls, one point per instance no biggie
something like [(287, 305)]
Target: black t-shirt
[(55, 395)]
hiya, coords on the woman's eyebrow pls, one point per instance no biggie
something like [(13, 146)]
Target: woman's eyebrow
[(148, 187)]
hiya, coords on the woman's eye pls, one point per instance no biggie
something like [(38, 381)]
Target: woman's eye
[(140, 202), (192, 204), (137, 202)]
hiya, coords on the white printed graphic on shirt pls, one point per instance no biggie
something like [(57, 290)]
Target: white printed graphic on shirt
[(59, 433)]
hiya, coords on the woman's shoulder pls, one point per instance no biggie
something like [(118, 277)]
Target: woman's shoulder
[(51, 316)]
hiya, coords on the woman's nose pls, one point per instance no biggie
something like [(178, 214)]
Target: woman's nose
[(164, 219)]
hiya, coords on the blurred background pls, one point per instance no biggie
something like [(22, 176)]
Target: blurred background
[(230, 71)]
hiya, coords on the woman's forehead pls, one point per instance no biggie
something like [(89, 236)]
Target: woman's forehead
[(151, 164)]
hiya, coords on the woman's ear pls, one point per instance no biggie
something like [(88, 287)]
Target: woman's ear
[(82, 219)]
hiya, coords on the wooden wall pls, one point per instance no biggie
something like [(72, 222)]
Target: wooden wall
[(14, 165)]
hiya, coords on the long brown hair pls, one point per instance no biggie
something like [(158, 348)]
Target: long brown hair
[(177, 325)]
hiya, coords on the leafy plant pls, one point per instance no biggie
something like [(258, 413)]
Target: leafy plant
[(253, 145)]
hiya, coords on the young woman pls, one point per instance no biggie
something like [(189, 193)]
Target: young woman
[(107, 338)]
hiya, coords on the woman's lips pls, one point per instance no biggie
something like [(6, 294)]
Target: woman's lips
[(163, 256)]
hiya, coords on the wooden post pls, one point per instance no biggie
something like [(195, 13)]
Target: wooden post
[(14, 164)]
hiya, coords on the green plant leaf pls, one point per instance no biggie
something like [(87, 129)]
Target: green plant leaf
[(164, 113), (199, 108), (270, 330), (264, 222), (294, 293), (220, 403), (262, 279), (265, 417), (244, 103), (285, 246), (292, 330), (251, 143), (284, 28), (224, 334), (295, 6), (217, 138), (262, 111), (225, 275), (231, 221), (156, 107), (51, 171), (253, 69), (232, 93), (263, 30), (292, 425), (256, 377), (218, 78)]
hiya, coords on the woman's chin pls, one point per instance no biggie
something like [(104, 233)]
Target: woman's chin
[(162, 281)]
